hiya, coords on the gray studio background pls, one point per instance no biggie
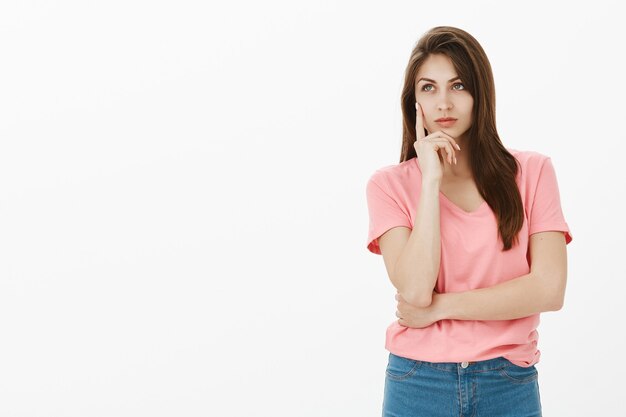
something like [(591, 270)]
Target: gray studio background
[(182, 199)]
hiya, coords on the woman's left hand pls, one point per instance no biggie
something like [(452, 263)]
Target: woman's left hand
[(418, 317)]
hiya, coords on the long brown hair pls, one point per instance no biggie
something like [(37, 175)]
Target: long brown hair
[(493, 167)]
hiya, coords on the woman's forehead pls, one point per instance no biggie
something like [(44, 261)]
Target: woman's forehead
[(438, 68)]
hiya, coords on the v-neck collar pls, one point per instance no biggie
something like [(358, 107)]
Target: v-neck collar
[(449, 202)]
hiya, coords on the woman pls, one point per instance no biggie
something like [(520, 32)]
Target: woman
[(473, 238)]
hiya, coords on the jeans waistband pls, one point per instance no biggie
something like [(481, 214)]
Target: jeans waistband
[(470, 366)]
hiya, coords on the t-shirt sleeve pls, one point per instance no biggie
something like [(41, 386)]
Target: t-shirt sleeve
[(546, 213), (384, 211)]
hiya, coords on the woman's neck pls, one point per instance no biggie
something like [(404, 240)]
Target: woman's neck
[(462, 169)]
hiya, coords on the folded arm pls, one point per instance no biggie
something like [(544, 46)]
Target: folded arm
[(543, 289)]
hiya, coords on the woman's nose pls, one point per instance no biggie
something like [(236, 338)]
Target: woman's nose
[(445, 104)]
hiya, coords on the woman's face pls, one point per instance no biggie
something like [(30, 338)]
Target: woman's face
[(441, 93)]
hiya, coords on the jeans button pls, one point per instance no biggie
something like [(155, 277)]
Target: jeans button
[(464, 365)]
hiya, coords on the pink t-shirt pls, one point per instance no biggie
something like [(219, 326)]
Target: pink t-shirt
[(471, 257)]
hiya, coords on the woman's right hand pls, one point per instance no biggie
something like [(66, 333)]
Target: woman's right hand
[(428, 148)]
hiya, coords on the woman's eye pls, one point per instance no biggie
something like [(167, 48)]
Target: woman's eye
[(424, 87)]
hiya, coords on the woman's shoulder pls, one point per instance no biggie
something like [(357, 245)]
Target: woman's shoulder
[(531, 164), (398, 174), (528, 159)]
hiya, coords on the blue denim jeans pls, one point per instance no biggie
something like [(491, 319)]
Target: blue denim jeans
[(490, 388)]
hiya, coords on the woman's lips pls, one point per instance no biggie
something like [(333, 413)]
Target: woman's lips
[(446, 123)]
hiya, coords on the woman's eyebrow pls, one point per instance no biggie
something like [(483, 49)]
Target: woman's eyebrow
[(433, 81)]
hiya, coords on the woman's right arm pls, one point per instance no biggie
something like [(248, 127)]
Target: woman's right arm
[(412, 258)]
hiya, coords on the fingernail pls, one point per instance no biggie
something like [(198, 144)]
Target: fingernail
[(416, 105), (458, 147)]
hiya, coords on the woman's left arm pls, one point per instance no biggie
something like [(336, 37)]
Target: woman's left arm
[(543, 289)]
